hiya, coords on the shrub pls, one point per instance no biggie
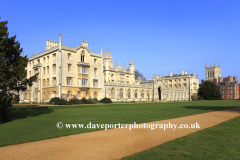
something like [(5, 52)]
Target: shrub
[(84, 100), (75, 101), (106, 100), (58, 101), (34, 102), (93, 101), (200, 98)]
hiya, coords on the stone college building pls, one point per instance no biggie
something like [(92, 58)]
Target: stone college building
[(68, 72)]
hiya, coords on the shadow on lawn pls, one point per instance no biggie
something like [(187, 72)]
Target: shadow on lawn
[(214, 108), (31, 111)]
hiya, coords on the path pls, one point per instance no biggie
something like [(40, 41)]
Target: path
[(113, 143)]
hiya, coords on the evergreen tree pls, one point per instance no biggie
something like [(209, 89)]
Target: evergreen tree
[(209, 91), (12, 71)]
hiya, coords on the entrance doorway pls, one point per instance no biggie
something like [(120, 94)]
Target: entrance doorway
[(159, 93)]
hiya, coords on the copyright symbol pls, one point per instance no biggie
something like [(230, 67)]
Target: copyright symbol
[(59, 125)]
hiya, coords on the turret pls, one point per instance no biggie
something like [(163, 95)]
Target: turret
[(131, 67), (60, 42), (107, 59), (84, 44)]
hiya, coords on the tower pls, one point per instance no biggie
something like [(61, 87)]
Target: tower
[(132, 71), (213, 72), (107, 60)]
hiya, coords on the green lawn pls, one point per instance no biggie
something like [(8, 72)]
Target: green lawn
[(37, 123), (218, 142)]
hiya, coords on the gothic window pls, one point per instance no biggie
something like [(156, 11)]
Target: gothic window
[(84, 70), (129, 93), (54, 81), (69, 81), (82, 57), (136, 96), (95, 82), (112, 92), (69, 93), (79, 82), (54, 93), (69, 67), (95, 71), (121, 93), (142, 94), (85, 82)]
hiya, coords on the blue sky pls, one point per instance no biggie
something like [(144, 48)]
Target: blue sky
[(159, 36)]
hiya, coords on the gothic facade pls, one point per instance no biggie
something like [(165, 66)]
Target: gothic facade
[(69, 72)]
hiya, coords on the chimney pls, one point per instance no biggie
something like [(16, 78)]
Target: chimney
[(236, 78), (220, 79), (202, 81), (230, 78), (182, 72), (185, 72), (215, 81), (226, 79), (170, 74)]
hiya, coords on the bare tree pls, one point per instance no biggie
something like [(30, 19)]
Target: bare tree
[(138, 74)]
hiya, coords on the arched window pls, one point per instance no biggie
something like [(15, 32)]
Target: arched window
[(82, 56), (129, 93), (121, 93), (142, 94), (112, 93), (136, 94)]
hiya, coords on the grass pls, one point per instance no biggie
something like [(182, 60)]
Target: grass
[(33, 123), (218, 142)]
